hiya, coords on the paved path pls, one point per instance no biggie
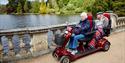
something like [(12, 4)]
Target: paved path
[(116, 53)]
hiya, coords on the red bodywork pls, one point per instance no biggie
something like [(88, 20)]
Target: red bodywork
[(62, 51)]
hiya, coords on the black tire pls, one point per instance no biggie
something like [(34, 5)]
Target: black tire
[(106, 46), (65, 59), (55, 55)]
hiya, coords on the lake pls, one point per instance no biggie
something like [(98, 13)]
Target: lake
[(22, 21)]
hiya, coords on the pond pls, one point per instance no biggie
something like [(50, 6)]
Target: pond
[(22, 21)]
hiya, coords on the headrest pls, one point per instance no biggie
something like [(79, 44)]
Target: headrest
[(106, 15)]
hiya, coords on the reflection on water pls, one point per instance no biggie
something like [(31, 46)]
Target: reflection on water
[(21, 21)]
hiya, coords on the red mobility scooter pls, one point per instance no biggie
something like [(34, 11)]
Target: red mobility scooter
[(64, 56)]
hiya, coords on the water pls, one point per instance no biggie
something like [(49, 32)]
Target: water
[(22, 21)]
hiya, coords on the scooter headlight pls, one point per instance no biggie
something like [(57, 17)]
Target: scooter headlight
[(66, 32)]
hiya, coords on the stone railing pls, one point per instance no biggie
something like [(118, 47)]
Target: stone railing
[(39, 36), (120, 22)]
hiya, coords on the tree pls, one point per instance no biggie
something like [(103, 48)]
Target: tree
[(35, 7), (118, 6), (19, 8), (2, 9), (26, 8), (43, 8), (101, 6), (11, 6)]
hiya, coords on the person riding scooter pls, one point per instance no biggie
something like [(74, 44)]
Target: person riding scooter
[(82, 28), (101, 23)]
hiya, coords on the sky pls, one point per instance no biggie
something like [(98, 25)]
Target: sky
[(4, 2)]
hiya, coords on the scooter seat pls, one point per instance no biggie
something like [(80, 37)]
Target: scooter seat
[(88, 37), (85, 40), (90, 33)]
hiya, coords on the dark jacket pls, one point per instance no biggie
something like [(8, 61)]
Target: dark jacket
[(85, 26)]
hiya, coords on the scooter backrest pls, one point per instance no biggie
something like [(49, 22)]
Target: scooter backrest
[(107, 30), (90, 19), (106, 15)]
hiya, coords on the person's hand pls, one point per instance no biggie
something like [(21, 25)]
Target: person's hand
[(79, 26), (73, 34)]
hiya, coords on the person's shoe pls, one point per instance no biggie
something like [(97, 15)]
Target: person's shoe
[(69, 50), (74, 52), (91, 47), (18, 55)]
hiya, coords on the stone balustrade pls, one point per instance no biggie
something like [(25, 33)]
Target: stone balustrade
[(39, 34)]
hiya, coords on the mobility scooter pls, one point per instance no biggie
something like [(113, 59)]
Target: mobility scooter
[(64, 56)]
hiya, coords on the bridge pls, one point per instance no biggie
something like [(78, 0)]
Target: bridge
[(116, 53), (39, 37)]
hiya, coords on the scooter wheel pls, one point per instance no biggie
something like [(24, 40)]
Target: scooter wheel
[(65, 59), (55, 55), (106, 46)]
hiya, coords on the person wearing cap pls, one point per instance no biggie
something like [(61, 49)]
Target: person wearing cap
[(100, 24), (84, 28), (102, 19)]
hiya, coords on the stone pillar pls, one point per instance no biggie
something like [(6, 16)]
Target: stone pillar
[(114, 19), (39, 42)]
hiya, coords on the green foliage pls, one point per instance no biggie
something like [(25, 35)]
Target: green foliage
[(119, 7), (100, 5), (43, 8), (2, 9), (70, 7), (60, 3), (11, 6), (64, 6), (19, 8), (35, 7), (26, 8)]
